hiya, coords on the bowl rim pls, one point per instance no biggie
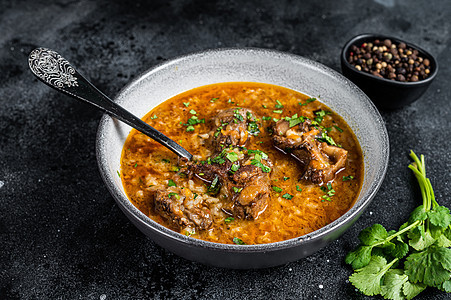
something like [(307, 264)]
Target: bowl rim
[(349, 216), (371, 36)]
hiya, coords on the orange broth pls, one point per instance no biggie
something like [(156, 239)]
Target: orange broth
[(146, 163)]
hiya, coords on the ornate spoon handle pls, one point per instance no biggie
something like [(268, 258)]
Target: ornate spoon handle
[(55, 71)]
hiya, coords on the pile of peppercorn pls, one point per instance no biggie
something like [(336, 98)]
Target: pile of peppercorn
[(388, 60)]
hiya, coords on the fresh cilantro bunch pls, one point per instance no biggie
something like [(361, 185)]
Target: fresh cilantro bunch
[(401, 264)]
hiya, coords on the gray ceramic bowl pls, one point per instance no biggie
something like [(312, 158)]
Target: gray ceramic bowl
[(253, 65)]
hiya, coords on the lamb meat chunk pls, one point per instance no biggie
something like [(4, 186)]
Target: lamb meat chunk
[(179, 206), (319, 161), (234, 127), (244, 179), (253, 192)]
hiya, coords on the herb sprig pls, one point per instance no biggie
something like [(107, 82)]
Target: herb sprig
[(401, 264)]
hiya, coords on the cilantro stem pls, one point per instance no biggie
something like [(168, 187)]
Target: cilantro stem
[(419, 169), (388, 266), (389, 238)]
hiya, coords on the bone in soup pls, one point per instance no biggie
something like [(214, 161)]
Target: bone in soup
[(269, 164)]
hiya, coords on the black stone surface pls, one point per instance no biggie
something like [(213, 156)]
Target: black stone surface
[(61, 234)]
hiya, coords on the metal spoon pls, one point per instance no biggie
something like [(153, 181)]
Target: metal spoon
[(55, 71)]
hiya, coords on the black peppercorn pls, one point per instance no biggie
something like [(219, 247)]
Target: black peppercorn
[(386, 59)]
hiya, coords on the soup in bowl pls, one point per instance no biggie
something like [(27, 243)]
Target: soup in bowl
[(286, 155)]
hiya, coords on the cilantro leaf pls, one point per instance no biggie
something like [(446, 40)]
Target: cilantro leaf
[(410, 289), (401, 249), (360, 257), (368, 279), (428, 232), (430, 266), (419, 239), (446, 286), (373, 234), (171, 183), (443, 241), (418, 214), (439, 216), (393, 283)]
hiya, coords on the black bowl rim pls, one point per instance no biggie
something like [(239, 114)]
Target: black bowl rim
[(348, 217), (373, 36)]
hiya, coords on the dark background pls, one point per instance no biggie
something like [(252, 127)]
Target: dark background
[(61, 233)]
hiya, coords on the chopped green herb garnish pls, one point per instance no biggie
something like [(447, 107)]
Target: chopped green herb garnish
[(135, 165), (186, 104), (213, 100), (287, 196), (215, 186), (264, 106), (326, 197), (229, 220), (237, 115), (338, 128), (118, 174), (238, 241), (237, 190), (278, 111), (165, 160), (235, 167), (195, 196), (262, 154), (307, 101), (275, 119), (190, 128), (346, 178), (193, 112), (278, 105), (320, 115), (277, 189), (252, 128), (256, 161), (329, 191), (266, 118), (171, 183), (325, 138), (295, 120), (232, 156), (175, 195), (285, 178), (230, 101), (298, 188), (154, 117)]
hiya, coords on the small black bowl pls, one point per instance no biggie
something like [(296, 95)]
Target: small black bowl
[(385, 93)]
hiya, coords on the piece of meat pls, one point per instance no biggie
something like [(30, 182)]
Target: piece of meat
[(233, 127), (178, 205), (254, 196), (319, 162), (244, 180)]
